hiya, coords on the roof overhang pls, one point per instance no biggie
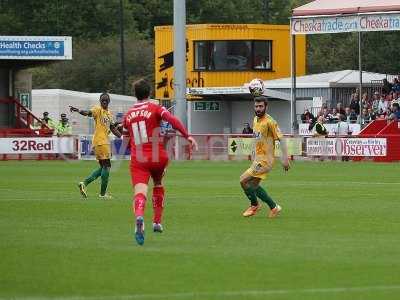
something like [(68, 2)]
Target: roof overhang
[(241, 92)]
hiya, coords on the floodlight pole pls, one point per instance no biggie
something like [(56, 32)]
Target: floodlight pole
[(180, 65), (293, 120), (122, 46), (180, 60), (360, 70)]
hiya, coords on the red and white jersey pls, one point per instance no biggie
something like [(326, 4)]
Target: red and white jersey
[(143, 124)]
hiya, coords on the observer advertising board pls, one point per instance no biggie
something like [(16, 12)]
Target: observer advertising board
[(346, 147), (37, 145), (36, 47), (337, 24)]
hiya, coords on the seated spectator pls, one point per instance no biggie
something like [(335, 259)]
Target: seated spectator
[(306, 117), (371, 114), (382, 106), (396, 110), (365, 117), (347, 114), (334, 116), (365, 101), (375, 102), (63, 127), (247, 129), (353, 116), (340, 109)]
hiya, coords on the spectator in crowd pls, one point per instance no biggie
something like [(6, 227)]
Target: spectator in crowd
[(334, 116), (371, 114), (365, 117), (353, 116), (396, 110), (347, 114), (247, 129), (375, 102), (355, 104), (382, 105), (340, 109), (306, 117), (396, 86), (342, 128), (386, 87), (365, 102), (48, 121), (319, 128), (63, 127)]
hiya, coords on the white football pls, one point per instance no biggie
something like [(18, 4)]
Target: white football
[(256, 87)]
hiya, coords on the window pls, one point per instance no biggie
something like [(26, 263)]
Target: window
[(262, 55), (232, 55)]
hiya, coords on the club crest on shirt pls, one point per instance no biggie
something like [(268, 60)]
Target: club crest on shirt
[(257, 135)]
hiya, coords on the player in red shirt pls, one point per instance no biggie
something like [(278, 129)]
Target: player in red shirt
[(148, 156)]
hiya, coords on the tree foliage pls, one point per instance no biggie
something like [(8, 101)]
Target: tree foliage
[(94, 26)]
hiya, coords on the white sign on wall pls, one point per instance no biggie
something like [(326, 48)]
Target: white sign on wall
[(346, 146), (36, 145), (331, 128)]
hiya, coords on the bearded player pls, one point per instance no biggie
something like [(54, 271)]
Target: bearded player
[(266, 132), (148, 156)]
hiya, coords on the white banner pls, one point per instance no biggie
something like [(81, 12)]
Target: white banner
[(36, 145), (367, 22), (346, 146), (331, 128)]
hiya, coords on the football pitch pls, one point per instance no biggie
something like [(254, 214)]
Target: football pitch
[(337, 237)]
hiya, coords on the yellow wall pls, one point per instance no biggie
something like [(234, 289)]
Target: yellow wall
[(279, 34)]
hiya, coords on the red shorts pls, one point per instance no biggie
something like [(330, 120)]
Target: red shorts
[(142, 170)]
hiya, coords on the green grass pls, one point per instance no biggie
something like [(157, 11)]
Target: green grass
[(337, 238)]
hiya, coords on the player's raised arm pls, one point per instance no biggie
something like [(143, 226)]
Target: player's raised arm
[(86, 113), (177, 125), (116, 129)]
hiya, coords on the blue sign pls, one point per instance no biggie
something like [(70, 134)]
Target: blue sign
[(32, 48)]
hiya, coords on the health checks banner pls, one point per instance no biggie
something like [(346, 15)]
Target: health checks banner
[(337, 24), (346, 146), (36, 47)]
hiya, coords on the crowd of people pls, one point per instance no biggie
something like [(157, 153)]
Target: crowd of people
[(60, 128), (382, 104)]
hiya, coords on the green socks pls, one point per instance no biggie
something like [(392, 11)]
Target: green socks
[(251, 195), (262, 194), (105, 173), (93, 176)]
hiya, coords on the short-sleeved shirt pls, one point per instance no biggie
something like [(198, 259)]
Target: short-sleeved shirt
[(143, 123), (265, 131), (102, 121)]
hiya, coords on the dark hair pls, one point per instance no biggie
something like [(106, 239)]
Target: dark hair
[(105, 95), (141, 89), (261, 99)]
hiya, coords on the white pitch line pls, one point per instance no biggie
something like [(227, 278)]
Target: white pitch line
[(249, 293)]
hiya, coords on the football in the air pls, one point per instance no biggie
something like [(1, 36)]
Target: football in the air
[(256, 87)]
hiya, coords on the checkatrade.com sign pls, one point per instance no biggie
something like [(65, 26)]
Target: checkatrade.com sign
[(35, 47), (380, 22)]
